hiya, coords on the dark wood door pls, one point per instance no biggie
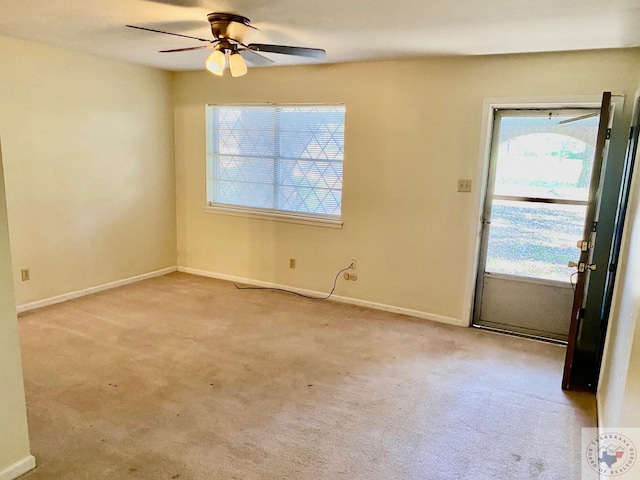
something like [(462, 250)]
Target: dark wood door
[(583, 265)]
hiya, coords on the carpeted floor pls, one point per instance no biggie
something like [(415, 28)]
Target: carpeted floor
[(182, 377)]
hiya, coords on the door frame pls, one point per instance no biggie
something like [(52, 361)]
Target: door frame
[(631, 160)]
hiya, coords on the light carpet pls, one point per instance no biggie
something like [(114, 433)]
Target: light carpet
[(184, 377)]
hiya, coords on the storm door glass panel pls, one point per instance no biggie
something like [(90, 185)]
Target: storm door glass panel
[(534, 239), (542, 173)]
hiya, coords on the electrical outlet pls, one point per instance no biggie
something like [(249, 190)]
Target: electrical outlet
[(354, 263), (292, 263), (464, 185), (24, 273)]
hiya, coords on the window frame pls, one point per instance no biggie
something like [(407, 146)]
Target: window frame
[(287, 216)]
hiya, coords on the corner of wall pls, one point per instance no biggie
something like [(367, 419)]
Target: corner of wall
[(14, 436), (172, 125)]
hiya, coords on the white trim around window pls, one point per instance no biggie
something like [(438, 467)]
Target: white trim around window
[(287, 217)]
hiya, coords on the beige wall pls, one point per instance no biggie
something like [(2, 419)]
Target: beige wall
[(88, 152), (14, 440), (89, 159), (619, 389), (412, 129)]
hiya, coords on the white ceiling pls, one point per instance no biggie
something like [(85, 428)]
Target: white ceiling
[(349, 30)]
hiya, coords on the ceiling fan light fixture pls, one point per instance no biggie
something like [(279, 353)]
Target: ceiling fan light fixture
[(215, 62), (237, 65), (228, 31)]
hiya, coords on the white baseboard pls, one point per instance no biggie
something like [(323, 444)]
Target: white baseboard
[(88, 291), (19, 468), (336, 298)]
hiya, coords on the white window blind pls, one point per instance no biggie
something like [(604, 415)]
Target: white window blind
[(276, 158)]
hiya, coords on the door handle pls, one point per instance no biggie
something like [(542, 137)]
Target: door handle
[(582, 266), (584, 245)]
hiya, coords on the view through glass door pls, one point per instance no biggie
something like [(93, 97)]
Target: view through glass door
[(536, 201)]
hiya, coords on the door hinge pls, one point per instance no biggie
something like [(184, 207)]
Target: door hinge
[(612, 267), (631, 133), (608, 133), (594, 227), (581, 314)]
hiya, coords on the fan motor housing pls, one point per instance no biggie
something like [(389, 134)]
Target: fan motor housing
[(228, 25)]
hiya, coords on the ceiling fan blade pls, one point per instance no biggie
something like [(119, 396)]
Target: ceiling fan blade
[(283, 49), (169, 33), (254, 58), (199, 47), (178, 3)]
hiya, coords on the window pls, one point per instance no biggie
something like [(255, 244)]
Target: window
[(282, 161)]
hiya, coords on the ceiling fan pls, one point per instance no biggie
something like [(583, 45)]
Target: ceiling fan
[(229, 49)]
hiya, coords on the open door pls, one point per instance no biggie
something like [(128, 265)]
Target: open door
[(584, 264)]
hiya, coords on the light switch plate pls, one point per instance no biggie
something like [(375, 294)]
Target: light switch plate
[(464, 185)]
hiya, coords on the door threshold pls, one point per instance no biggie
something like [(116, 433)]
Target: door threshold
[(522, 335)]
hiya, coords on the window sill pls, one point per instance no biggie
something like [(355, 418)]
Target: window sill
[(276, 216)]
